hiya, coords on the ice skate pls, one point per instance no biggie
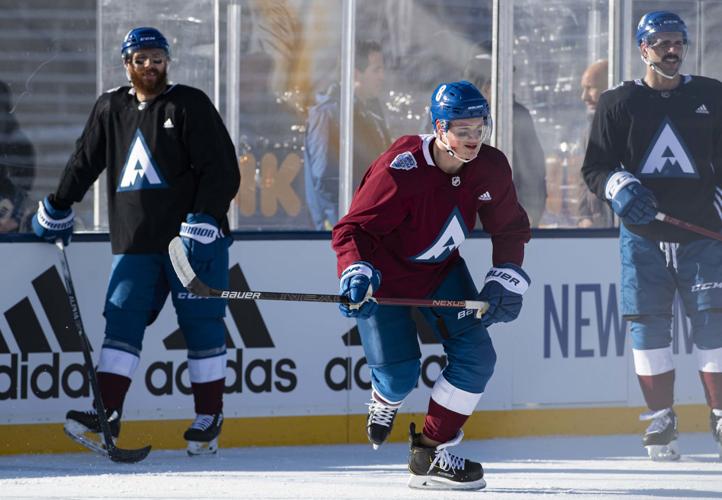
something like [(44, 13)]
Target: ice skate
[(715, 425), (83, 427), (660, 438), (437, 469), (380, 420), (202, 435)]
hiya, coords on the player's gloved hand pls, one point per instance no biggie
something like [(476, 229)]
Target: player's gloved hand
[(358, 282), (503, 289), (203, 240), (51, 223), (630, 200)]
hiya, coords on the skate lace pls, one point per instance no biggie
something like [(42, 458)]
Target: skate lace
[(202, 422), (661, 419), (446, 460), (380, 413), (94, 414)]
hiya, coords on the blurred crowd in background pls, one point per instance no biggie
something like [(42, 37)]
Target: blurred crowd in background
[(283, 92)]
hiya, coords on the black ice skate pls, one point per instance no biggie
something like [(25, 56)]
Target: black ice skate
[(83, 427), (660, 438), (437, 469), (202, 435), (715, 425), (380, 420)]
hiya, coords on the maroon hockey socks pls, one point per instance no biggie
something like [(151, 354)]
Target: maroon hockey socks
[(113, 388), (208, 397)]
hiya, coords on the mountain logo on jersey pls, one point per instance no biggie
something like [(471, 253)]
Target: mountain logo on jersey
[(140, 171), (452, 236), (668, 156), (404, 161)]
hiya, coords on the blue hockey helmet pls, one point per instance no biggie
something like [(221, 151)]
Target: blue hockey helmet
[(659, 21), (143, 38), (457, 100)]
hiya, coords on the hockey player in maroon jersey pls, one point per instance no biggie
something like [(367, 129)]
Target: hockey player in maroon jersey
[(171, 169), (415, 206), (655, 144)]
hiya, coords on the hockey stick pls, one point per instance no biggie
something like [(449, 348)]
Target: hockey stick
[(689, 227), (109, 450), (193, 284)]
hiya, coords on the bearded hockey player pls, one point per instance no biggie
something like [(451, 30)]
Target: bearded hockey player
[(415, 206), (171, 169), (655, 146)]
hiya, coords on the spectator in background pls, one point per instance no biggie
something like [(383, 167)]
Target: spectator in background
[(593, 212), (527, 161), (17, 168), (371, 135)]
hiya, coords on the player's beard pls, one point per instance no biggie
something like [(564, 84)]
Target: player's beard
[(153, 87)]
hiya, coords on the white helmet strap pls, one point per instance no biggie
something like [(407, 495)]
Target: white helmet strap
[(451, 152)]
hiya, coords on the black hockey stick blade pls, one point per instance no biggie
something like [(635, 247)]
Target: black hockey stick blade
[(128, 456), (193, 284), (114, 453), (107, 448)]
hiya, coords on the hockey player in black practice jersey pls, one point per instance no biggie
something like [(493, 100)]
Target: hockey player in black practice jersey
[(171, 169), (656, 145)]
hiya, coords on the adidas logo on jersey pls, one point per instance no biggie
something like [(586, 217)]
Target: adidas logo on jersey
[(702, 110), (485, 197), (168, 123)]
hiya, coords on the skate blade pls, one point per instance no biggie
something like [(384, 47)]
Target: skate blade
[(663, 453), (202, 448), (84, 437), (440, 483)]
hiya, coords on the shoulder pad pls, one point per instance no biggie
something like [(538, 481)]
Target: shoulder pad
[(404, 161)]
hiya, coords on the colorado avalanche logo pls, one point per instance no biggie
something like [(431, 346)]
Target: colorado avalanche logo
[(451, 236), (668, 156), (404, 161), (140, 170)]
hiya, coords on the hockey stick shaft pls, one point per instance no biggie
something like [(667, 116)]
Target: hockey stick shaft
[(192, 283), (116, 454), (689, 227)]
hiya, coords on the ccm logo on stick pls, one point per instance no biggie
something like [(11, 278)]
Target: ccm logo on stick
[(240, 295)]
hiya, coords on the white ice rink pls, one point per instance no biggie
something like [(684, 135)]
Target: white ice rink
[(548, 467)]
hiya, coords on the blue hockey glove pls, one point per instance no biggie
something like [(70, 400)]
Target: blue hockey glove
[(52, 224), (503, 290), (358, 282), (630, 200), (203, 241)]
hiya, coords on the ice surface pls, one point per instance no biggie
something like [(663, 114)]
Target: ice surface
[(546, 467)]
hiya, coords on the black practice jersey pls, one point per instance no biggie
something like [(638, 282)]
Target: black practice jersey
[(670, 140), (165, 158)]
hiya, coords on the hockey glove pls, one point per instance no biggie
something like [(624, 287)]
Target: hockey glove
[(503, 290), (50, 223), (203, 241), (630, 200), (358, 282)]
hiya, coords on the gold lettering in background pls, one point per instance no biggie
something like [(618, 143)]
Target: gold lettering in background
[(274, 184)]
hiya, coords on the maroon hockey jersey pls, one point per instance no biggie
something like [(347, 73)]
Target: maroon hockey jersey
[(408, 217)]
